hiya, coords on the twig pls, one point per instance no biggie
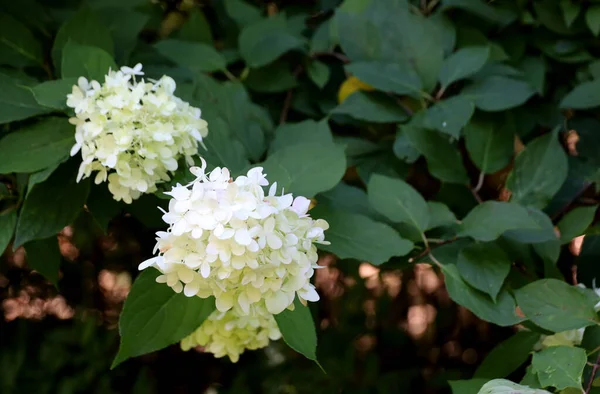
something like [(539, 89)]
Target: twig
[(287, 103), (592, 375), (229, 75), (477, 188), (440, 93)]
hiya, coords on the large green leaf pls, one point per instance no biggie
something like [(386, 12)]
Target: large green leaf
[(17, 101), (398, 201), (443, 158), (318, 72), (400, 78), (53, 94), (560, 366), (487, 11), (359, 36), (83, 27), (223, 149), (298, 169), (498, 93), (439, 215), (489, 220), (463, 63), (489, 146), (470, 386), (8, 222), (359, 237), (298, 330), (154, 317), (37, 146), (371, 107), (289, 134), (484, 266), (592, 18), (449, 116), (539, 172), (272, 78), (584, 96), (196, 28), (43, 255), (52, 204), (503, 386), (85, 61), (574, 223), (556, 306), (265, 40), (18, 46), (194, 55), (242, 12), (507, 356)]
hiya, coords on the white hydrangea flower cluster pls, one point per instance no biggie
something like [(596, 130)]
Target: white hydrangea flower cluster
[(230, 334), (132, 133), (229, 240)]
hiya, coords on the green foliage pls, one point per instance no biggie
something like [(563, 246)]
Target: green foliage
[(298, 330)]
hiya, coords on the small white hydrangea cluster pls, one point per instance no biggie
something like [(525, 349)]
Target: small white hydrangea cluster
[(230, 334), (132, 133), (229, 240)]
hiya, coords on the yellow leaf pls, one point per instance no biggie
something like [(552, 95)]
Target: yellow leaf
[(351, 85)]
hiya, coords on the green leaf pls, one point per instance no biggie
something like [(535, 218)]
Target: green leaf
[(267, 39), (482, 9), (502, 312), (592, 18), (223, 149), (371, 108), (508, 355), (37, 146), (125, 26), (194, 55), (359, 37), (484, 266), (196, 28), (53, 94), (400, 78), (273, 78), (18, 46), (470, 386), (398, 201), (443, 159), (574, 223), (570, 11), (318, 73), (463, 63), (154, 317), (102, 206), (560, 366), (298, 169), (83, 27), (87, 61), (439, 215), (584, 96), (17, 101), (498, 93), (544, 232), (489, 220), (403, 147), (539, 172), (52, 204), (503, 386), (242, 12), (8, 222), (449, 116), (534, 72), (43, 255), (556, 306), (490, 147), (42, 175), (307, 131), (354, 236), (298, 330)]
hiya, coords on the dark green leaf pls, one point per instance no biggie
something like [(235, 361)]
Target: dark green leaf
[(273, 78), (52, 204), (403, 148), (539, 172), (449, 116), (85, 61), (223, 149), (463, 63), (489, 220), (37, 146), (83, 27), (483, 9), (556, 306), (508, 355), (484, 266), (534, 72), (399, 78), (53, 94), (194, 55), (592, 18), (471, 386), (570, 11), (574, 223), (398, 201), (544, 232), (359, 36), (298, 330), (439, 215), (489, 146), (43, 255), (242, 12), (584, 96), (318, 73), (443, 158), (267, 39), (154, 316), (354, 236), (371, 108), (196, 28), (298, 169), (17, 101), (8, 222), (289, 134), (498, 93), (18, 46), (560, 366)]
